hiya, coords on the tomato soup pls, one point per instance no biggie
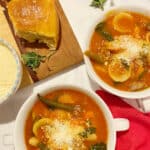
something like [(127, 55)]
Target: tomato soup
[(120, 50), (65, 119)]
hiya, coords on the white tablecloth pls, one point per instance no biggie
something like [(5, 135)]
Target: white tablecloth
[(79, 15)]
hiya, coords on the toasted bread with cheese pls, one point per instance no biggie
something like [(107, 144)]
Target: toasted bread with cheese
[(35, 20)]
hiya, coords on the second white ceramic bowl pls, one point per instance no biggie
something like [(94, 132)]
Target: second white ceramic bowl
[(129, 95), (113, 125)]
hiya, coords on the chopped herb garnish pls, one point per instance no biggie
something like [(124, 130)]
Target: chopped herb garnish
[(43, 146), (91, 130), (107, 35), (32, 59), (98, 4), (125, 63), (99, 146), (87, 132), (83, 134), (100, 28)]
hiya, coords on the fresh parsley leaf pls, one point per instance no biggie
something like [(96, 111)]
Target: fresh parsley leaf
[(83, 134), (43, 146), (91, 130), (125, 63), (87, 132), (100, 28), (32, 59), (98, 4), (99, 146)]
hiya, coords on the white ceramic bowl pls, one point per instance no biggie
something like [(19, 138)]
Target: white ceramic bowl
[(113, 124), (18, 77), (129, 95)]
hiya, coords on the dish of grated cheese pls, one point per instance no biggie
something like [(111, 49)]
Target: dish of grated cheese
[(8, 71)]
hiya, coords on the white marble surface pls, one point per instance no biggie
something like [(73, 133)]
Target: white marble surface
[(79, 15)]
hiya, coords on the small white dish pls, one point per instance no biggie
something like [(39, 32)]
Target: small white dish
[(17, 76), (114, 125), (128, 95)]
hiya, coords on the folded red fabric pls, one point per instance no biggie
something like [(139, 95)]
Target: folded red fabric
[(138, 135)]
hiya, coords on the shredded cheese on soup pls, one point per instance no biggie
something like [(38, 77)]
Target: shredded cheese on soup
[(130, 47), (62, 134)]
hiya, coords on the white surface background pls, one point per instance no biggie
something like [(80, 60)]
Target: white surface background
[(79, 15)]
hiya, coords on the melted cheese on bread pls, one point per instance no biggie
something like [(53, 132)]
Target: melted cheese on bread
[(35, 20)]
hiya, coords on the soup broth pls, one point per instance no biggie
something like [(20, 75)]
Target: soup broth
[(65, 119), (120, 51)]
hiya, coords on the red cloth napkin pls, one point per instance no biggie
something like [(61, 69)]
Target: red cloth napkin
[(138, 135)]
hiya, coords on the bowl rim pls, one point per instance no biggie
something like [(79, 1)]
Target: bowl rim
[(26, 107), (124, 94), (17, 81)]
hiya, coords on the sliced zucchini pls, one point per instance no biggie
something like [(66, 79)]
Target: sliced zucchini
[(40, 123), (119, 70)]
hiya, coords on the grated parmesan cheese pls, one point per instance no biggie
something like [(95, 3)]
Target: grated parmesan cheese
[(8, 71), (130, 46), (61, 134)]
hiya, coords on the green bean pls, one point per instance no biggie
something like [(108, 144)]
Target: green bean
[(55, 104), (95, 57), (100, 28)]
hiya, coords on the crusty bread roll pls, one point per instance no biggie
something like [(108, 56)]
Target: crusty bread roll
[(35, 20)]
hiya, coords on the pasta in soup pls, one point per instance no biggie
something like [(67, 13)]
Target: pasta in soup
[(120, 50), (66, 120)]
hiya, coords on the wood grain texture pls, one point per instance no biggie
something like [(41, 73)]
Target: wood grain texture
[(69, 52)]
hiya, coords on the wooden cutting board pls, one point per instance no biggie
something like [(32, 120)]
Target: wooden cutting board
[(68, 53)]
